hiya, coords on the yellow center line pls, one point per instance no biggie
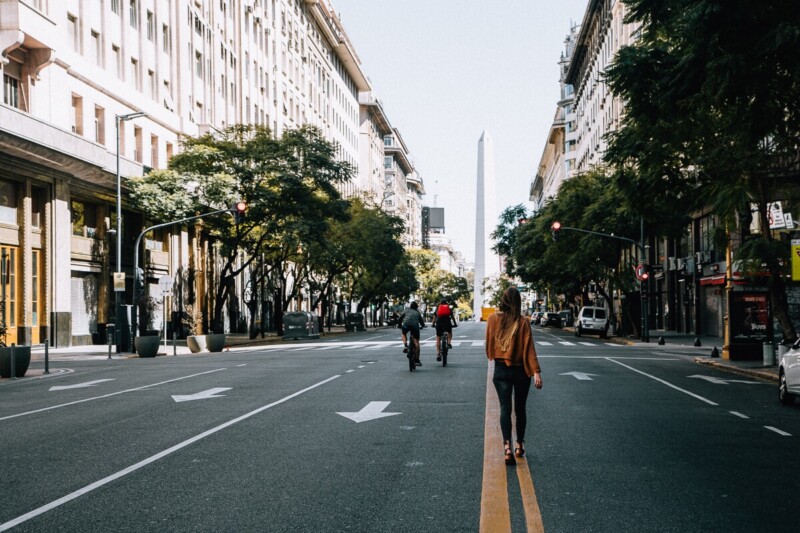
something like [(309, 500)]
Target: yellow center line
[(495, 512), (495, 515)]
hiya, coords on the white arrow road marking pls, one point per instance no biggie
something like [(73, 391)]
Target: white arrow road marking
[(210, 393), (80, 385), (719, 381), (372, 411), (580, 376)]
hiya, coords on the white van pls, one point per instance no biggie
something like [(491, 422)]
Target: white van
[(592, 320)]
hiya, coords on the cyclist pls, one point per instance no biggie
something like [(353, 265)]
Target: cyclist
[(412, 321), (444, 320)]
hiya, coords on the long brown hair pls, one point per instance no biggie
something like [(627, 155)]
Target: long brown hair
[(511, 306)]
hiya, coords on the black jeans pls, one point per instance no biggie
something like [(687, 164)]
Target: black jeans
[(512, 381)]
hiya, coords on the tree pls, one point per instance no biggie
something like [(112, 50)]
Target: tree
[(712, 118), (289, 186)]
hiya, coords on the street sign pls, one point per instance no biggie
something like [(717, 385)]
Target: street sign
[(119, 281), (165, 284)]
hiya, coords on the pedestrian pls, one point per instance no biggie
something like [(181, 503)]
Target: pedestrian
[(509, 343)]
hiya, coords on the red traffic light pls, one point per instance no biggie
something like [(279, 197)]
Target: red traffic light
[(556, 226), (641, 272), (241, 207)]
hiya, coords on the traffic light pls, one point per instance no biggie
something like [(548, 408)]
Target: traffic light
[(642, 274), (239, 210), (554, 228)]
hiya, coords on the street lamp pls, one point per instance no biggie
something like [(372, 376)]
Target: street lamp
[(117, 295)]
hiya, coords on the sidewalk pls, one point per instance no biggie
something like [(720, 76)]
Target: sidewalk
[(755, 369)]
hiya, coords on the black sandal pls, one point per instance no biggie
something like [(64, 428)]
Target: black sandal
[(519, 451), (509, 457)]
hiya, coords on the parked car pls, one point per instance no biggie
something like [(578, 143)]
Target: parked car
[(789, 375), (592, 320), (566, 318), (535, 317), (551, 319)]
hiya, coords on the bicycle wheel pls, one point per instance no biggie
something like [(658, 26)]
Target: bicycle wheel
[(411, 356), (445, 341)]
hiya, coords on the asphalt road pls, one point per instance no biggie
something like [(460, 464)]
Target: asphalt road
[(337, 435)]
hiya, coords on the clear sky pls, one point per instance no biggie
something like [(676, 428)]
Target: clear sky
[(446, 70)]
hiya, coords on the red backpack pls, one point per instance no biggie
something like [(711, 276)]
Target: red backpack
[(443, 310)]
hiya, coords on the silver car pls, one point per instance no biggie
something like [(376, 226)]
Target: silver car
[(789, 375)]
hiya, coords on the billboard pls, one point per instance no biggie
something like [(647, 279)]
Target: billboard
[(750, 317), (436, 218)]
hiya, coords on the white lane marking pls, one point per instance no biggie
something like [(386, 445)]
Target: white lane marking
[(667, 383), (79, 385), (245, 364), (588, 343), (778, 431), (361, 366), (204, 395), (124, 472), (719, 381), (371, 411), (378, 347), (107, 395), (477, 343), (566, 343), (348, 371), (580, 376), (326, 347), (544, 343), (740, 415)]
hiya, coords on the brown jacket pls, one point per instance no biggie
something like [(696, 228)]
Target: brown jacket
[(519, 351)]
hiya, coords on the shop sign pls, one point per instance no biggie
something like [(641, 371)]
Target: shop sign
[(795, 259)]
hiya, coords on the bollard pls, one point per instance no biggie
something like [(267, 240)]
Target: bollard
[(174, 344), (661, 341), (47, 356), (110, 334), (768, 351), (13, 366), (714, 353), (697, 341)]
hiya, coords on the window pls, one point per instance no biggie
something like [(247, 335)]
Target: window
[(9, 271), (154, 151), (116, 58), (387, 161), (99, 124), (84, 219), (77, 114), (37, 206), (10, 91), (35, 287), (169, 151), (388, 140), (151, 26), (137, 82), (73, 33), (137, 137), (97, 53), (151, 84), (115, 6), (198, 64), (8, 202), (165, 39), (134, 13)]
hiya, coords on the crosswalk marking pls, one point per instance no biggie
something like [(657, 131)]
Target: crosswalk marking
[(544, 343), (587, 343), (566, 343)]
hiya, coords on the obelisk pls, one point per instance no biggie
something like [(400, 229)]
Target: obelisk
[(486, 261)]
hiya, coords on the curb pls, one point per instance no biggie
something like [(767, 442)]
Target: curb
[(750, 372)]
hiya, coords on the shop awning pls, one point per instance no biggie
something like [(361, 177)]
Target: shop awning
[(713, 280)]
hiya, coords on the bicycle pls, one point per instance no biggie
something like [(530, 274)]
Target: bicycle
[(445, 347), (412, 354)]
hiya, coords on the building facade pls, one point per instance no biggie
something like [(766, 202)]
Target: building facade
[(75, 72)]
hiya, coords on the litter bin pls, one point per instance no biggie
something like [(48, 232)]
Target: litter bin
[(300, 325), (354, 322), (768, 353)]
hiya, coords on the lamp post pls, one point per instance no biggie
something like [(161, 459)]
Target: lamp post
[(117, 295)]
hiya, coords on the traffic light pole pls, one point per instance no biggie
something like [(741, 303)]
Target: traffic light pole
[(134, 310), (642, 282)]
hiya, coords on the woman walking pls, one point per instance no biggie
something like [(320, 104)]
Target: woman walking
[(509, 344)]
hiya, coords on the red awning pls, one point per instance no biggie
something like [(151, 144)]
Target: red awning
[(713, 280)]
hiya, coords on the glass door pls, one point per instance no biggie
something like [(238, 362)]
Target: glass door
[(8, 292)]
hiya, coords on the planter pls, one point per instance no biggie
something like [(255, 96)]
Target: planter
[(196, 343), (147, 345), (216, 342), (22, 359)]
